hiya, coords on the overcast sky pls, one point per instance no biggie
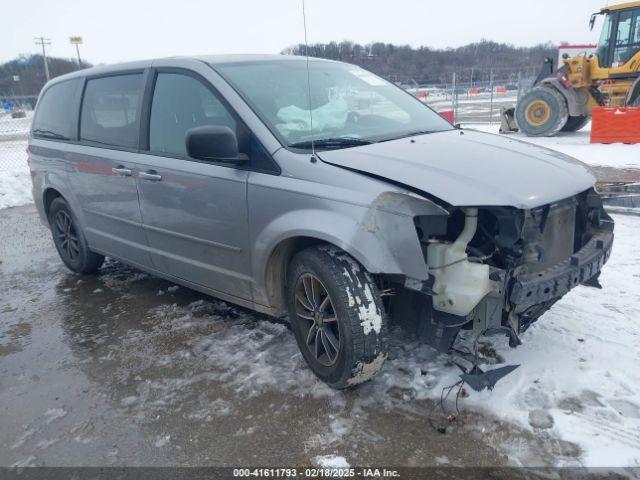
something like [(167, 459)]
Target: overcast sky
[(120, 30)]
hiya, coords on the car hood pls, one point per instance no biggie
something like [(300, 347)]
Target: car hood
[(469, 168)]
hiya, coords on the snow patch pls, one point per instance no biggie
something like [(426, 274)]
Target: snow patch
[(162, 441), (54, 414), (331, 461), (371, 317), (364, 371)]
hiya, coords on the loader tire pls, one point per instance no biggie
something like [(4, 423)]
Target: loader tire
[(542, 112), (575, 123)]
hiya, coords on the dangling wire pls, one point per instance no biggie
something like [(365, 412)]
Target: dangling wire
[(306, 51)]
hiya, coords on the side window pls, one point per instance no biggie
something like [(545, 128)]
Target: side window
[(181, 102), (605, 40), (54, 115), (110, 110), (625, 47)]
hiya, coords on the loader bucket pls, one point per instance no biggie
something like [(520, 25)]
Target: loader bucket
[(508, 121)]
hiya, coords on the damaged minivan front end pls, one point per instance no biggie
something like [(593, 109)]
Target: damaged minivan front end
[(496, 270), (503, 266), (492, 267)]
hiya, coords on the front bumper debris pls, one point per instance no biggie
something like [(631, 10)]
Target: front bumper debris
[(540, 287)]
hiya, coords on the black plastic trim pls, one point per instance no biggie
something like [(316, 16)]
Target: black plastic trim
[(535, 288)]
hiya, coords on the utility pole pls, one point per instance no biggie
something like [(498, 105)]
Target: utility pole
[(43, 42)]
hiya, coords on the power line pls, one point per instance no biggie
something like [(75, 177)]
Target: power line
[(43, 42)]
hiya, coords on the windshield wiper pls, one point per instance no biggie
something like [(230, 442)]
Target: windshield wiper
[(337, 142), (411, 134), (49, 134)]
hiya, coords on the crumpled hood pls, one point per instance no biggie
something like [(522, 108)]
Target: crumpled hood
[(468, 168)]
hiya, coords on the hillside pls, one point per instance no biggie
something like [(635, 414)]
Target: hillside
[(30, 73), (424, 65)]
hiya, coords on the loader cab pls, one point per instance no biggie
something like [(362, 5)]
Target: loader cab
[(620, 36)]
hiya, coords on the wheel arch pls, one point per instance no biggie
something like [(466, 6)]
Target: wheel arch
[(382, 237), (48, 196), (276, 267)]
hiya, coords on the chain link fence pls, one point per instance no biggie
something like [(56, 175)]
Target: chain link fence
[(16, 113), (475, 96)]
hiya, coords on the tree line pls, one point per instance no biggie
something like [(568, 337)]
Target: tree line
[(25, 76), (424, 65)]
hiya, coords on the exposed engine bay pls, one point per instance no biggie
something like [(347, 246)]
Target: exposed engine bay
[(498, 269)]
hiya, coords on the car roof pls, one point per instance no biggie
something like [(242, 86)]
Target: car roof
[(253, 58), (210, 59)]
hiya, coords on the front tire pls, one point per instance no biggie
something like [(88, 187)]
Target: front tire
[(337, 316), (70, 241), (542, 112)]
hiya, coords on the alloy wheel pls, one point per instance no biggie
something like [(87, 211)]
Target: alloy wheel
[(315, 310), (66, 235)]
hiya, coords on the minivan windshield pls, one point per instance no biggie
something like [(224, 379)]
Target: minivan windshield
[(340, 106)]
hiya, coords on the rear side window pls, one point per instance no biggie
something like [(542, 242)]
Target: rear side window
[(54, 116), (111, 110)]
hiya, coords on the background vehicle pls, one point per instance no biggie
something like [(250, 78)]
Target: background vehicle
[(562, 100), (211, 173)]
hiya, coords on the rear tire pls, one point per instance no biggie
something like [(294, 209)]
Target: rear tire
[(542, 112), (70, 241), (337, 316), (575, 123)]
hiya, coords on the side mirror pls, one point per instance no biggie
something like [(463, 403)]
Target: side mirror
[(214, 143)]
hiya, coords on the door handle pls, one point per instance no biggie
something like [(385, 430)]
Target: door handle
[(121, 170), (150, 175)]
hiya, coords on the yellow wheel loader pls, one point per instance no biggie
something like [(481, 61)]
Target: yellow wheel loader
[(562, 100)]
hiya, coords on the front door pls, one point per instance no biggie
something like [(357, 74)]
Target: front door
[(194, 213)]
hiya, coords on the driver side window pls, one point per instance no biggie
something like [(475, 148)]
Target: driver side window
[(181, 102)]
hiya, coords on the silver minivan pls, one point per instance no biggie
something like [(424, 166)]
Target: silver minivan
[(317, 191)]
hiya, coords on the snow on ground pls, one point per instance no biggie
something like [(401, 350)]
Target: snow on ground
[(576, 144), (579, 362), (15, 181)]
